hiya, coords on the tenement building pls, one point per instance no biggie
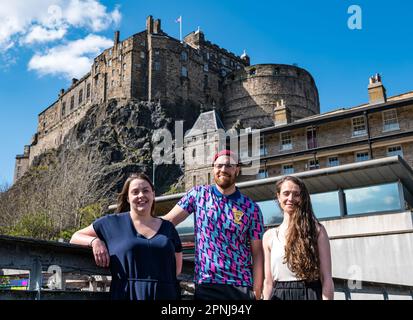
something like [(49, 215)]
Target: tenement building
[(381, 128)]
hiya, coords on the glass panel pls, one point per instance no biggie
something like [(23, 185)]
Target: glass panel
[(378, 198), (271, 212), (325, 204)]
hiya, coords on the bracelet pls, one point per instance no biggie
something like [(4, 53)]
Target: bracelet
[(91, 241)]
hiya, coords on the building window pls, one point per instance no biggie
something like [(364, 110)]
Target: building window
[(72, 102), (287, 169), (333, 162), (253, 71), (88, 91), (263, 173), (193, 180), (286, 141), (157, 66), (311, 138), (263, 148), (124, 66), (359, 126), (184, 72), (157, 52), (223, 73), (184, 56), (362, 156), (394, 151), (194, 153), (142, 55), (80, 96), (63, 109), (206, 67), (390, 121), (313, 164)]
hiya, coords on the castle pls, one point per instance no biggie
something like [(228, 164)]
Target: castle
[(280, 100), (152, 66)]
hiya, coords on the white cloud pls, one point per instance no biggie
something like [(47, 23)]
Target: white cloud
[(73, 59), (27, 22), (41, 34)]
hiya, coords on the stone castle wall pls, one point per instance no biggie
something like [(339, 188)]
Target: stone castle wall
[(251, 94)]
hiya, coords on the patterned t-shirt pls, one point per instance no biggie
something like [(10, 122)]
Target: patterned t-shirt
[(224, 226)]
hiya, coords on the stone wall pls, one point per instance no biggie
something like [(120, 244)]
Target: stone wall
[(252, 93)]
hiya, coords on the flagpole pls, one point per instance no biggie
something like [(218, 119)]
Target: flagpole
[(180, 28)]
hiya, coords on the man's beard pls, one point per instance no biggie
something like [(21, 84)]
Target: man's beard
[(224, 184)]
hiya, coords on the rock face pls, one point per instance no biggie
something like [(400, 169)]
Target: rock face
[(110, 142)]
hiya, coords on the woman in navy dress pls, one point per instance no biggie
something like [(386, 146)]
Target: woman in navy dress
[(144, 252)]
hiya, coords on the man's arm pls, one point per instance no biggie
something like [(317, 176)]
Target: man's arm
[(257, 267), (176, 215)]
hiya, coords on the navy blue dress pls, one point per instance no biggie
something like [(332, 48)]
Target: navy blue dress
[(141, 268)]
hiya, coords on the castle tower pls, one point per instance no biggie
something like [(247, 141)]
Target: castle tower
[(252, 93)]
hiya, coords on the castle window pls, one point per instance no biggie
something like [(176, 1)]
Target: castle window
[(276, 71), (394, 151), (80, 96), (88, 91), (72, 102), (110, 63), (286, 141), (287, 169), (157, 65), (194, 153), (207, 56), (223, 73), (205, 81), (206, 68), (157, 52), (124, 66), (390, 121), (224, 61), (359, 126), (63, 109), (113, 83), (184, 56), (194, 181), (142, 55), (184, 72), (253, 71), (333, 162)]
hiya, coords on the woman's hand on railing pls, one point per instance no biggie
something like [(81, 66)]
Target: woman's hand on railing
[(100, 252)]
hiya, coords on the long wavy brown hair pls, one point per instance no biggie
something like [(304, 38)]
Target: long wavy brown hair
[(301, 249), (123, 205)]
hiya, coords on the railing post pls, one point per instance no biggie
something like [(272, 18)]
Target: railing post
[(35, 281)]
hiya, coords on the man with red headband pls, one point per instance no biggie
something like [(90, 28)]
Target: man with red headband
[(229, 260)]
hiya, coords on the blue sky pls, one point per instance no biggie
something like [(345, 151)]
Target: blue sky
[(44, 43)]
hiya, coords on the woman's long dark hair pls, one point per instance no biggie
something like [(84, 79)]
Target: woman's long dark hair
[(301, 249), (123, 205)]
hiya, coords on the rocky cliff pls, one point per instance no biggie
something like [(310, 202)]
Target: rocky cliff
[(77, 181)]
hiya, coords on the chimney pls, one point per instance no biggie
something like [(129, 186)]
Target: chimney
[(377, 92), (157, 26), (282, 114), (116, 38), (61, 92), (74, 81), (149, 24)]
